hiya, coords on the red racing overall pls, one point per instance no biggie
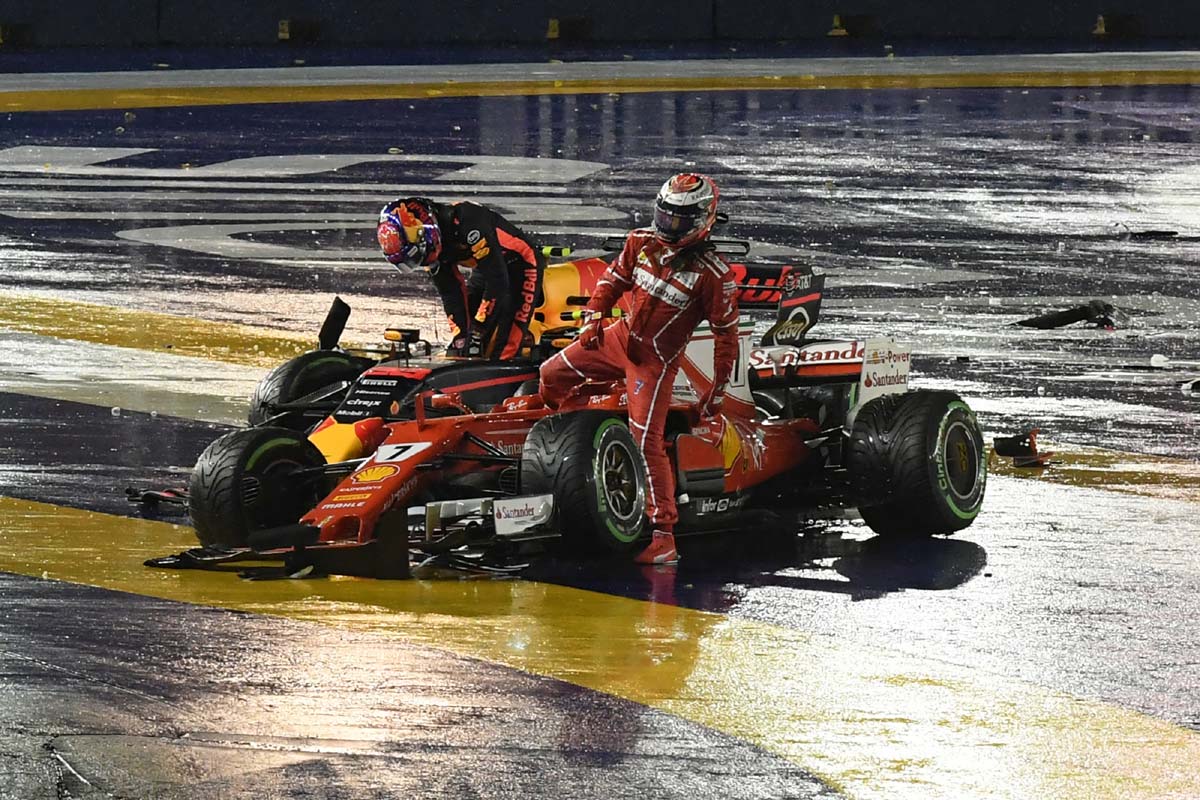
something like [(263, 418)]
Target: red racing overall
[(671, 292)]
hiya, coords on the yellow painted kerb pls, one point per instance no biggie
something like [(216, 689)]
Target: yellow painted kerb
[(871, 723), (82, 99)]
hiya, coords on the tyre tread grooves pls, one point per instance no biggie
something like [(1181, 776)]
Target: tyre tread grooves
[(283, 384), (554, 450), (215, 487), (889, 459)]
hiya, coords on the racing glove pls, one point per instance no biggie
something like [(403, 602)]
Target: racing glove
[(591, 335), (709, 404), (475, 347), (466, 346)]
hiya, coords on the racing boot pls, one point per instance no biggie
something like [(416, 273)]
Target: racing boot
[(661, 550)]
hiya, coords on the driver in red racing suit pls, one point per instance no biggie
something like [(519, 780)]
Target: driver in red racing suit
[(489, 313), (676, 279)]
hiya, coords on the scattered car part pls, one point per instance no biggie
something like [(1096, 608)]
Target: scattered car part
[(1022, 449), (1097, 312)]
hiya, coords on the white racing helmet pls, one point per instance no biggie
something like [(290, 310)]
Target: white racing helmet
[(685, 209)]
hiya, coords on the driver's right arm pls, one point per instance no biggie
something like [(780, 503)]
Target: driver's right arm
[(452, 287), (617, 279)]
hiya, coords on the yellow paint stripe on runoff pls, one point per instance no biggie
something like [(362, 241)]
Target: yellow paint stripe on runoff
[(1130, 473), (145, 330), (871, 723), (81, 99)]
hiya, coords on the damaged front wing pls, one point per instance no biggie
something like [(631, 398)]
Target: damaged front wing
[(471, 536)]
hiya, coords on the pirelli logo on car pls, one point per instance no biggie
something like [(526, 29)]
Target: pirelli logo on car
[(374, 474)]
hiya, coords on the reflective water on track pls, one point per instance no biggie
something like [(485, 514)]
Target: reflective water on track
[(942, 216)]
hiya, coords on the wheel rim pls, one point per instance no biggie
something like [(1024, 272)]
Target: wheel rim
[(619, 481), (961, 460), (273, 493)]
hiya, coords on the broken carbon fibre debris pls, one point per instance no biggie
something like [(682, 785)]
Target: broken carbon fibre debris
[(1095, 312), (154, 497), (1143, 235), (1022, 449)]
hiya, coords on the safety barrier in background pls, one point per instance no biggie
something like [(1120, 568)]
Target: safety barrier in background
[(37, 23)]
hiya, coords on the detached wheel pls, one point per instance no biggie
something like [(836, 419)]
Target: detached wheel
[(246, 481), (589, 461), (303, 375), (917, 463)]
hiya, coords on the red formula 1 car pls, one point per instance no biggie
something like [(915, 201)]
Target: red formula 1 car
[(470, 469)]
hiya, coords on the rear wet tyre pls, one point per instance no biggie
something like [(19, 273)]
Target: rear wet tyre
[(246, 481), (303, 375), (771, 403), (589, 461), (917, 463)]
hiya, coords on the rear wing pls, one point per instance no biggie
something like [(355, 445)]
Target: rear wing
[(799, 306), (760, 286), (738, 248)]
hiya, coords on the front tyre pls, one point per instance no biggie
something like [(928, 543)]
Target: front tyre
[(292, 380), (917, 464), (247, 480), (589, 461)]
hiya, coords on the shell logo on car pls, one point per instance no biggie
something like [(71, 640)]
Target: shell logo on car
[(374, 474)]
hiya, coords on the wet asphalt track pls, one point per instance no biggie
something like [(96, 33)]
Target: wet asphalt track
[(1018, 659), (125, 696)]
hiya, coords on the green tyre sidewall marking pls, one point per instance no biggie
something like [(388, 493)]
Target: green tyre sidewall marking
[(939, 458), (263, 449), (598, 475)]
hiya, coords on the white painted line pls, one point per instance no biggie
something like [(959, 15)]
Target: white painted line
[(137, 380)]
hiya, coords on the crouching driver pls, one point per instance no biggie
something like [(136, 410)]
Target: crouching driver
[(489, 313), (675, 279)]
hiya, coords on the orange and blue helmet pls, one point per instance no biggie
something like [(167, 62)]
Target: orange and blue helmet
[(408, 232)]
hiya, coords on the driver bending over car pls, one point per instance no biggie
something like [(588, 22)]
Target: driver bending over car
[(489, 313), (676, 279)]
